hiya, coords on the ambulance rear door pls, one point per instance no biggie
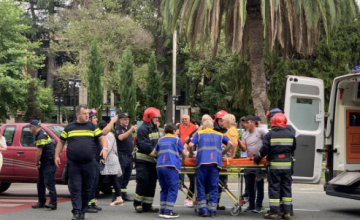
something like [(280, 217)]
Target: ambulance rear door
[(304, 109)]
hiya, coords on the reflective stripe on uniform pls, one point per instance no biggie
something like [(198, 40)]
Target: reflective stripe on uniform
[(145, 157), (154, 135), (202, 204), (286, 200), (139, 198), (281, 141), (209, 148), (43, 141), (280, 165), (79, 133), (64, 134), (212, 206), (169, 151), (124, 190), (274, 202)]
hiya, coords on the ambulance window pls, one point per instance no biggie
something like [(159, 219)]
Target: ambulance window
[(303, 113), (354, 119), (358, 92)]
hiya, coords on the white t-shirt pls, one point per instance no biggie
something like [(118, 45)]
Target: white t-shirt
[(3, 142), (254, 140)]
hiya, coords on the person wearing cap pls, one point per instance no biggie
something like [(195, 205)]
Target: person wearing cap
[(219, 127), (44, 161), (279, 146), (253, 141), (125, 147), (257, 120), (146, 175), (81, 153)]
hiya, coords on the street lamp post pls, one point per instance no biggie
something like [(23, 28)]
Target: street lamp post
[(73, 83), (107, 110), (58, 101), (175, 99)]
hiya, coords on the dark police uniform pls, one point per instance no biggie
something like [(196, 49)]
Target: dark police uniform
[(97, 182), (279, 145), (46, 178), (81, 152), (124, 149), (146, 175)]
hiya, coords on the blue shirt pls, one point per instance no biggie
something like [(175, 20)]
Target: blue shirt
[(169, 149)]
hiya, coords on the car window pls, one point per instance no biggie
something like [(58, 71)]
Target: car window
[(27, 139), (9, 133), (56, 129)]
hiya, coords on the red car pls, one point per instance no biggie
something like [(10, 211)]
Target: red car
[(19, 158)]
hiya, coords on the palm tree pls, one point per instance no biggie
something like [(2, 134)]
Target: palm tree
[(292, 24)]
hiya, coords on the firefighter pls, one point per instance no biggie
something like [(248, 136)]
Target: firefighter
[(208, 165), (279, 146), (168, 151), (269, 115), (146, 176), (46, 166), (219, 127)]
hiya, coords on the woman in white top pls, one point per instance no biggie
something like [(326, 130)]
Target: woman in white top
[(112, 166), (2, 148)]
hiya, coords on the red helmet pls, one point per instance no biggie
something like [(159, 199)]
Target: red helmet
[(92, 112), (150, 113), (220, 114), (279, 120)]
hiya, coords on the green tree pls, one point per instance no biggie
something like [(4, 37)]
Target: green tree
[(289, 24), (154, 89), (33, 109), (127, 89), (94, 78)]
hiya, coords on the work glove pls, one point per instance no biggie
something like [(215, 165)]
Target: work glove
[(257, 159)]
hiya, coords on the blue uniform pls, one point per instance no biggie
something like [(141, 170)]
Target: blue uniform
[(168, 166), (208, 165)]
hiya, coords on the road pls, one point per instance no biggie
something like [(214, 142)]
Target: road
[(310, 202)]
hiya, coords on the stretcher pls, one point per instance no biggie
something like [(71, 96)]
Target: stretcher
[(238, 167)]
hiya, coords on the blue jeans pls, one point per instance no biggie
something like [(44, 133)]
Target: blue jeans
[(253, 185)]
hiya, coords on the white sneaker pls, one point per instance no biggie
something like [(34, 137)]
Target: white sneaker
[(171, 214), (188, 203), (161, 215)]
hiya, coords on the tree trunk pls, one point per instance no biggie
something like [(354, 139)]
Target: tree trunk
[(51, 55), (258, 80)]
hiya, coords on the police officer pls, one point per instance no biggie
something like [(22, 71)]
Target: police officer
[(279, 146), (168, 166), (81, 152), (44, 161), (92, 205), (208, 165), (146, 176), (219, 127), (125, 147)]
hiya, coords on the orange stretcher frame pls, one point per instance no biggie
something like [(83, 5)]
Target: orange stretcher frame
[(191, 162)]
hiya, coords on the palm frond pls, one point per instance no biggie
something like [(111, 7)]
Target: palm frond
[(312, 14)]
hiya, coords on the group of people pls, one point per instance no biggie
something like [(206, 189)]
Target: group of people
[(94, 152)]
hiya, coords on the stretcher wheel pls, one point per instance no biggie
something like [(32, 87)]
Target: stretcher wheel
[(235, 211)]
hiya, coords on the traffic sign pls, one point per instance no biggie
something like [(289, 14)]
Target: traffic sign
[(112, 113)]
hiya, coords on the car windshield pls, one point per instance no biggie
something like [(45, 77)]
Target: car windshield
[(57, 129)]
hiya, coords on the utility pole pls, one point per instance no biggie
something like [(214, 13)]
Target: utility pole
[(174, 78)]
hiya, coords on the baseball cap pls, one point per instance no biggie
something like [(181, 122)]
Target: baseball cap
[(257, 118), (249, 118), (272, 112), (124, 115), (35, 123)]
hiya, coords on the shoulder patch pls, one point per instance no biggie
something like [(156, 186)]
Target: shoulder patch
[(38, 142)]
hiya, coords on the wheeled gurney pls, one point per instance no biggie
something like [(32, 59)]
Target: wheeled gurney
[(237, 167)]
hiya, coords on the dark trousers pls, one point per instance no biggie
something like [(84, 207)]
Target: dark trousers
[(169, 183), (280, 189), (146, 177), (126, 167), (46, 180), (96, 181), (101, 180), (223, 179), (192, 183), (81, 181), (253, 185)]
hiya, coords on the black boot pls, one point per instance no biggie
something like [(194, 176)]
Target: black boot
[(76, 216), (51, 206), (91, 209), (96, 207), (38, 206), (82, 216)]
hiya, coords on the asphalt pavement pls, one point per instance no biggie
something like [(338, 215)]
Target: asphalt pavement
[(310, 202)]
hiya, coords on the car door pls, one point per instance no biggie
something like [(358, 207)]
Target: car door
[(7, 169), (304, 109), (24, 156)]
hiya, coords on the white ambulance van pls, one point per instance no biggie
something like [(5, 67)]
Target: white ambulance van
[(304, 109)]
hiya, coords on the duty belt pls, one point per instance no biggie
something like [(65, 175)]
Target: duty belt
[(145, 157)]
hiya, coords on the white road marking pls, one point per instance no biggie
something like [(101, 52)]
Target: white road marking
[(10, 205), (18, 200)]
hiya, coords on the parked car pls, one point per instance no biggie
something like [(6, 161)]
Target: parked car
[(19, 158)]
